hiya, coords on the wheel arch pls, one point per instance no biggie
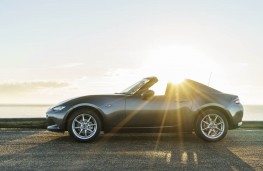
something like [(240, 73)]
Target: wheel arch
[(84, 106), (222, 109)]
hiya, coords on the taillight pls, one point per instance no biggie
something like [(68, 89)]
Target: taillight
[(237, 101)]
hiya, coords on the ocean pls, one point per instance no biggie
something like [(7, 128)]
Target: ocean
[(251, 112), (23, 111)]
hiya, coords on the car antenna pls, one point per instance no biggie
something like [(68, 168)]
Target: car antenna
[(210, 76)]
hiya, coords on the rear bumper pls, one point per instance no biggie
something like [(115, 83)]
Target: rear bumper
[(236, 111)]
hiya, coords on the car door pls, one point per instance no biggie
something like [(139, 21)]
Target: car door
[(158, 111)]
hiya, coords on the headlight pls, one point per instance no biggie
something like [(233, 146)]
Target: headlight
[(58, 108)]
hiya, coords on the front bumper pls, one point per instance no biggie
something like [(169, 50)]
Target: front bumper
[(54, 128), (55, 121)]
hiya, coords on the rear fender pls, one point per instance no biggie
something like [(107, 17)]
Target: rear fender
[(218, 107)]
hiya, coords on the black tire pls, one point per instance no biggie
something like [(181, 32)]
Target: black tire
[(84, 125), (211, 125)]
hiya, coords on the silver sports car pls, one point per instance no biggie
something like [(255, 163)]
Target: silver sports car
[(185, 107)]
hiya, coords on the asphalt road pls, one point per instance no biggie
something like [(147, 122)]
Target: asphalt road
[(242, 149)]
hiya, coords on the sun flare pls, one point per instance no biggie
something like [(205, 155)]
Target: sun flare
[(174, 63)]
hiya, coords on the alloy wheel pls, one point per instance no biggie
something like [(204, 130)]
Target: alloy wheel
[(84, 126), (212, 126)]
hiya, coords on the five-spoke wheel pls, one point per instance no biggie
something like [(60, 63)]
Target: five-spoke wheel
[(211, 125), (84, 125)]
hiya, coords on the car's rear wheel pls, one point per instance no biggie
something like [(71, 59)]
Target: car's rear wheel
[(211, 125), (84, 126)]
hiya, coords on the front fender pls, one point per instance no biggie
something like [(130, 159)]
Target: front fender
[(82, 105)]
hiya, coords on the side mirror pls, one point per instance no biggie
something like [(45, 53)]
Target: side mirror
[(147, 94)]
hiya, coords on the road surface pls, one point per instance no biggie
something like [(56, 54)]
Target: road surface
[(242, 149)]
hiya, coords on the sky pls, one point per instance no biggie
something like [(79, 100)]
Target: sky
[(52, 50)]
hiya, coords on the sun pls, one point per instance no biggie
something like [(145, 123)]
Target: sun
[(174, 63)]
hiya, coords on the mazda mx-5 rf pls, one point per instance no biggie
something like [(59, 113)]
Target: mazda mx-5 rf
[(185, 107)]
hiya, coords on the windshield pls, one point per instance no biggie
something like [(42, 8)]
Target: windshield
[(135, 87)]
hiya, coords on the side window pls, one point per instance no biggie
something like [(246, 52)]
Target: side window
[(159, 88), (182, 92), (177, 91)]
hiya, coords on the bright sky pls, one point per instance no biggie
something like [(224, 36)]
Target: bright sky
[(51, 50)]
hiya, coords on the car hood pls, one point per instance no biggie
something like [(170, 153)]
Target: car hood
[(92, 99)]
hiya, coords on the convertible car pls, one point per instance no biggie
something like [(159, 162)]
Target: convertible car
[(185, 107)]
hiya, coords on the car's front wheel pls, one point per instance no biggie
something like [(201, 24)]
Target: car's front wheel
[(211, 125), (84, 125)]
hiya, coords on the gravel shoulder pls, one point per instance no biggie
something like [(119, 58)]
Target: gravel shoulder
[(29, 149)]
